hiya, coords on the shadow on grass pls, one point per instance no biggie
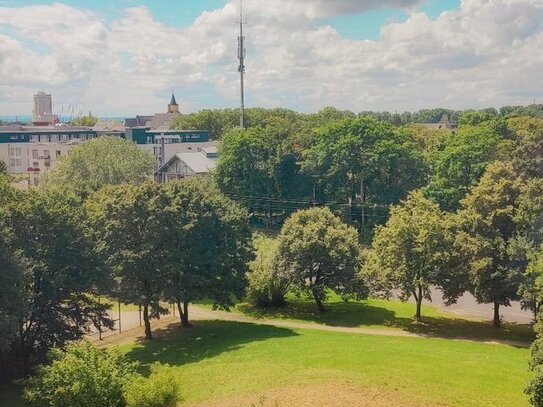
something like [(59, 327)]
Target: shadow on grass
[(362, 314), (205, 339)]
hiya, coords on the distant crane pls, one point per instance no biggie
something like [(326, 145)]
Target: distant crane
[(242, 53)]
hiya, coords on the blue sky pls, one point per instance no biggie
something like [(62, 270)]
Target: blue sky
[(123, 57)]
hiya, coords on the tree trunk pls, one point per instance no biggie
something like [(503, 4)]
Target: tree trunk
[(418, 299), (496, 322), (318, 301), (183, 313), (146, 322), (185, 317)]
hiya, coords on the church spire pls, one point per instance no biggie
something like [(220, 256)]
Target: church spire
[(173, 107)]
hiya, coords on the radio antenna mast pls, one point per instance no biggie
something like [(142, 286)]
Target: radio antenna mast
[(242, 53)]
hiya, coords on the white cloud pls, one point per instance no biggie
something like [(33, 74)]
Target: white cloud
[(486, 53)]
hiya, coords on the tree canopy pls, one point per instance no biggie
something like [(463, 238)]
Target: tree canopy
[(99, 162)]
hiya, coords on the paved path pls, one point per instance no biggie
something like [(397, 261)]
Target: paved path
[(467, 306)]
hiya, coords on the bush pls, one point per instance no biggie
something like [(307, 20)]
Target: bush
[(268, 285), (159, 390), (82, 376), (535, 386)]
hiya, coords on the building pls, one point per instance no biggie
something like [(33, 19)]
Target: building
[(188, 164), (32, 150), (444, 124), (173, 107), (42, 111)]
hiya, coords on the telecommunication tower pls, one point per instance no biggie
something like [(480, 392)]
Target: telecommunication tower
[(242, 53)]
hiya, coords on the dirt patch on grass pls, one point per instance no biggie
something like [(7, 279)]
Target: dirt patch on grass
[(328, 394)]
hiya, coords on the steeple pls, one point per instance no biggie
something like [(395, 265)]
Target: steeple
[(173, 107)]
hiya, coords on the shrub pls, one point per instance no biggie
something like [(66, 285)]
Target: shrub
[(158, 390), (82, 376), (268, 284)]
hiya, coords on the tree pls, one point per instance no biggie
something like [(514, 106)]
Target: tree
[(81, 376), (3, 168), (60, 270), (85, 121), (321, 253), (488, 235), (258, 164), (458, 164), (207, 246), (130, 224), (527, 151), (364, 161), (268, 281), (95, 163), (415, 251)]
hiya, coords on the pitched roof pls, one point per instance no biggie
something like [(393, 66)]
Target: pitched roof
[(161, 121), (172, 100), (105, 125)]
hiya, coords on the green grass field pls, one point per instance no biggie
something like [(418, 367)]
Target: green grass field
[(235, 364), (385, 314), (217, 359)]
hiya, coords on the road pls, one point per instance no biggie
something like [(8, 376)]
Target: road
[(467, 306)]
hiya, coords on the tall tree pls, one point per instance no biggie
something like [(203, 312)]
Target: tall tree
[(415, 251), (321, 253), (61, 270), (364, 161), (458, 164), (96, 163), (130, 224), (207, 247), (488, 237)]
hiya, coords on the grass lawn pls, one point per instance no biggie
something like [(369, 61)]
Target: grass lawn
[(390, 314), (236, 364), (217, 360)]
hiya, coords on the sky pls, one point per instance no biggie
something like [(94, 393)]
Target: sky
[(124, 57)]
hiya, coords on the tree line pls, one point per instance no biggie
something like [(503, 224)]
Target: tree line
[(110, 234)]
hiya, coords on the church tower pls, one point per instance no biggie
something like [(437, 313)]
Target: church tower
[(173, 107)]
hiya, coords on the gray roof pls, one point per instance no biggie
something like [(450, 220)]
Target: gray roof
[(172, 100), (105, 125), (197, 162), (161, 121)]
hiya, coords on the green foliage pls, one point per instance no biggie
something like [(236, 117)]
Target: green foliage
[(82, 376), (477, 117), (321, 252), (60, 269), (414, 251), (99, 162), (527, 152), (364, 159), (460, 161), (129, 223), (206, 247), (158, 390), (268, 282), (3, 168), (489, 229), (85, 121)]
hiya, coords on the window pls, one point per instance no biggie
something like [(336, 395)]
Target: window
[(34, 138), (34, 153), (35, 164), (58, 153), (63, 137), (15, 162), (15, 151), (46, 154)]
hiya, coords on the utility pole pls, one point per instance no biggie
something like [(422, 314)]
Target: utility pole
[(242, 53)]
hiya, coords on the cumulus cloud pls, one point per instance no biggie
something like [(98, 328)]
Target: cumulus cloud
[(485, 53)]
